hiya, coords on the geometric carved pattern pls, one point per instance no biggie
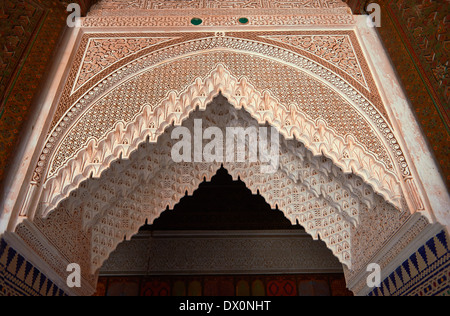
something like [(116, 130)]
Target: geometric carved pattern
[(157, 13), (152, 86), (283, 18), (103, 52), (217, 4), (339, 208), (378, 147), (337, 50), (383, 161)]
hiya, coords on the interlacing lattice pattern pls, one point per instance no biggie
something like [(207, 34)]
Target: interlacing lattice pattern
[(103, 52), (124, 102), (336, 49)]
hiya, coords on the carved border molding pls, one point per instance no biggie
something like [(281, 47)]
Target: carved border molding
[(218, 13), (274, 251), (218, 21), (105, 6)]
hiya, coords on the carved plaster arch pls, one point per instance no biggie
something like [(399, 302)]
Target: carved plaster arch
[(306, 188), (366, 102), (317, 137), (321, 220)]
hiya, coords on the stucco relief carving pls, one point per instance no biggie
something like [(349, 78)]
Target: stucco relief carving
[(169, 184), (349, 212), (217, 4), (317, 136), (103, 52), (124, 102), (325, 202), (341, 213), (216, 254), (366, 107), (218, 13), (335, 49), (153, 185)]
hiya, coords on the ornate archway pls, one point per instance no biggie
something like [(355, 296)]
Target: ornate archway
[(310, 190), (345, 173), (347, 153)]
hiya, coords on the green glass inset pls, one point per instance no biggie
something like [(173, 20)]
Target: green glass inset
[(196, 21), (243, 20)]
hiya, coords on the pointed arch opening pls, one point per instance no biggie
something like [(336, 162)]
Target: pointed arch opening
[(310, 190), (221, 233)]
